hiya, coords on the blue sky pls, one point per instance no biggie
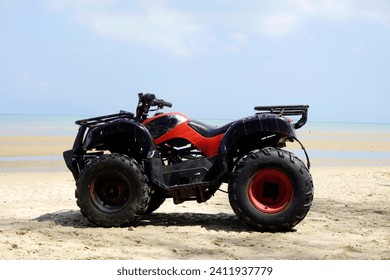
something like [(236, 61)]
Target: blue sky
[(211, 59)]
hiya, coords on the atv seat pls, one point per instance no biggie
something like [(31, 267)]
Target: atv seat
[(207, 130)]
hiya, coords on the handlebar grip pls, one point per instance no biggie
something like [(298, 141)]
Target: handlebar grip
[(167, 104), (160, 103)]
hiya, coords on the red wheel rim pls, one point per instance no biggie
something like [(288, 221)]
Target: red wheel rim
[(270, 190)]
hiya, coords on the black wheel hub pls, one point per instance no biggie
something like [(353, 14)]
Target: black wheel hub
[(110, 192)]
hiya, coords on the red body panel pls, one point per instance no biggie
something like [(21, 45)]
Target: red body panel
[(208, 146)]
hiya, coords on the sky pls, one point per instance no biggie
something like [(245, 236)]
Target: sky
[(213, 59)]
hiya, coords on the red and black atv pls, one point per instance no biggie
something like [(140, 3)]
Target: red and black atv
[(125, 166)]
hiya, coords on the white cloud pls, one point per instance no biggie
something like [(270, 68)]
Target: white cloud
[(177, 28), (286, 17), (324, 9), (238, 42), (174, 31), (377, 10), (148, 23), (79, 4), (277, 24)]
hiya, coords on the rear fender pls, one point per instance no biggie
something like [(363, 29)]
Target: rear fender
[(267, 124)]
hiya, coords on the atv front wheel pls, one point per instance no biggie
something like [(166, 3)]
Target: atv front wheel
[(270, 190), (112, 190), (157, 198)]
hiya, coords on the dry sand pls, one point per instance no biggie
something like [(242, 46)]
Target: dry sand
[(39, 219)]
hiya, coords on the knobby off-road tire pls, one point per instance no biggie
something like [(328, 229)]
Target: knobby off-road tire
[(270, 190), (112, 190)]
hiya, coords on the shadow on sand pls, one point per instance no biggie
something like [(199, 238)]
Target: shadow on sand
[(217, 222)]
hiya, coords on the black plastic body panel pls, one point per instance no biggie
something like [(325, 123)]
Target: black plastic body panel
[(94, 133), (267, 123), (130, 128)]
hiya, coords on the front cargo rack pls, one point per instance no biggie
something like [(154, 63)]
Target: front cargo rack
[(287, 110), (103, 119)]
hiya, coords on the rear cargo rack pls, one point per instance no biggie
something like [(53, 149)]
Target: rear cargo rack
[(287, 110), (103, 119)]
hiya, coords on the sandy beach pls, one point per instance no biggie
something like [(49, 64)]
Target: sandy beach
[(349, 218)]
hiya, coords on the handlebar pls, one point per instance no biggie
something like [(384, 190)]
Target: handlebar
[(146, 101), (148, 97), (160, 103)]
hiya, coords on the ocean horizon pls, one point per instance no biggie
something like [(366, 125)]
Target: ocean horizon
[(64, 125)]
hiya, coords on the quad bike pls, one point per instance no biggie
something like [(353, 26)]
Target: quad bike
[(126, 165)]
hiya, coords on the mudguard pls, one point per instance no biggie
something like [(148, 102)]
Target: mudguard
[(261, 123), (96, 132), (129, 129)]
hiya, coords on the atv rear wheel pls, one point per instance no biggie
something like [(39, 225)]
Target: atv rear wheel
[(112, 190), (270, 190)]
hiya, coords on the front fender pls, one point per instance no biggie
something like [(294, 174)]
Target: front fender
[(120, 135), (124, 131)]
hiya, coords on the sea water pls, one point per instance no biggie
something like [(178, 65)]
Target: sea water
[(64, 125), (58, 125), (37, 125)]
